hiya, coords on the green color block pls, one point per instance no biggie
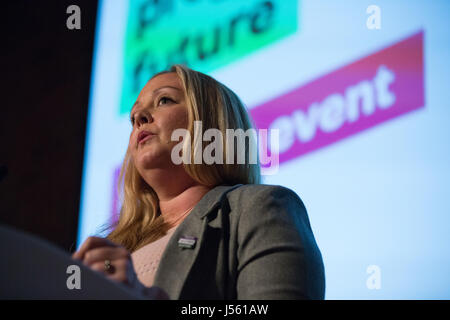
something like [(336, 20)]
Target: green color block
[(204, 35)]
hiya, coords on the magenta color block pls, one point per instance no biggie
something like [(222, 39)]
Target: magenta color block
[(405, 59)]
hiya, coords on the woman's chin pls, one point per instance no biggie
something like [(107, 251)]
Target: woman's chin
[(148, 159)]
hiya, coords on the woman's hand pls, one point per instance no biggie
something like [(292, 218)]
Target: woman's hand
[(115, 262), (108, 258)]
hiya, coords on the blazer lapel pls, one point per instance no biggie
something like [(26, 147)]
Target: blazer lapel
[(178, 259)]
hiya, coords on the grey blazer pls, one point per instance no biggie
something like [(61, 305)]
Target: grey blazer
[(252, 242)]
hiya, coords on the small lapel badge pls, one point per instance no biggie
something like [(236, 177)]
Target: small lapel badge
[(187, 242)]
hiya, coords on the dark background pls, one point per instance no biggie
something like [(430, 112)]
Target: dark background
[(46, 71)]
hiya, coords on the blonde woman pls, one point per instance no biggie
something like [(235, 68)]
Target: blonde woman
[(202, 231)]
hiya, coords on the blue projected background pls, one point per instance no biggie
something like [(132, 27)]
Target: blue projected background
[(362, 105)]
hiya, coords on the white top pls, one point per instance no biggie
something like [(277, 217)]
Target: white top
[(146, 259)]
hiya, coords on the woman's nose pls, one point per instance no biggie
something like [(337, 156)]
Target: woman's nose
[(143, 117)]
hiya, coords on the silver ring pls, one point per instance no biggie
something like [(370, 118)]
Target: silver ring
[(108, 265)]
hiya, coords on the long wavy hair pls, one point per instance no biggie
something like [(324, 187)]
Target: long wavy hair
[(218, 107)]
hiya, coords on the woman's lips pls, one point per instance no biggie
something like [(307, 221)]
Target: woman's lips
[(144, 136), (147, 137)]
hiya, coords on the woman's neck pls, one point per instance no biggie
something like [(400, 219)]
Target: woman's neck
[(176, 190), (175, 209)]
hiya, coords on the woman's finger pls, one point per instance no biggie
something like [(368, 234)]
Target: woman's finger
[(104, 253), (91, 243), (98, 266), (117, 271)]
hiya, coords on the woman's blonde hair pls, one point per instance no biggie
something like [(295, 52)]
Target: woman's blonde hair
[(218, 107)]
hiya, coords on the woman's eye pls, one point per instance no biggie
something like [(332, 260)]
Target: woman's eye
[(132, 120), (164, 99)]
